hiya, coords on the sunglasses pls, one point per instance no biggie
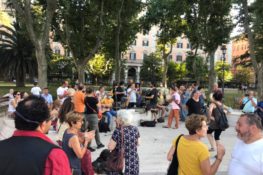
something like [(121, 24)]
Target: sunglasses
[(18, 94)]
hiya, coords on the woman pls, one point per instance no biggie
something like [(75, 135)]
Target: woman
[(54, 113), (71, 143), (175, 111), (13, 103), (66, 107), (214, 114), (131, 141), (132, 96), (91, 115), (193, 104), (193, 155)]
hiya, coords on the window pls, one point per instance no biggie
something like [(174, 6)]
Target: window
[(134, 43), (57, 50), (132, 56), (179, 45), (145, 43), (179, 58)]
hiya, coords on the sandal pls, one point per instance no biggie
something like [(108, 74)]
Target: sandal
[(166, 127)]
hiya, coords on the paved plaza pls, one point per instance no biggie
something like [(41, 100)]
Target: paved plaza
[(155, 143)]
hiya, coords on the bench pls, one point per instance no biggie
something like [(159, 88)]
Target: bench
[(3, 106)]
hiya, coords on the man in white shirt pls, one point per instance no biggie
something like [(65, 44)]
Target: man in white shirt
[(62, 91), (247, 155), (35, 90)]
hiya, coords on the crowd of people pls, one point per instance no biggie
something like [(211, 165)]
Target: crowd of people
[(76, 112)]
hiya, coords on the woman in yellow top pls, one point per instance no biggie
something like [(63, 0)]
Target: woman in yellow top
[(193, 155)]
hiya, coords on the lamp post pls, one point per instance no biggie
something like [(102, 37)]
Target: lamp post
[(223, 48)]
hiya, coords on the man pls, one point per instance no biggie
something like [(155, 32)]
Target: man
[(62, 91), (247, 154), (106, 106), (35, 90), (29, 150), (48, 97), (78, 99), (250, 103), (153, 96)]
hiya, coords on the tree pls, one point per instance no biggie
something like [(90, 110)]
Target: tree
[(197, 67), (17, 57), (151, 68), (5, 19), (99, 66), (124, 27), (250, 18), (213, 23), (243, 75), (225, 74), (176, 71), (37, 17), (167, 16)]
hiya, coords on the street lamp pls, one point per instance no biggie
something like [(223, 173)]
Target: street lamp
[(223, 48)]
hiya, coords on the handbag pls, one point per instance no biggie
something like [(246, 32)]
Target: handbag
[(99, 111), (115, 163), (173, 167)]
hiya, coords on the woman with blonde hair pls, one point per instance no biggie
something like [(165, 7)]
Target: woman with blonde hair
[(71, 142), (130, 135), (193, 155)]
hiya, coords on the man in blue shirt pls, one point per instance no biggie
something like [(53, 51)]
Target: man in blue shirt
[(48, 97), (250, 103)]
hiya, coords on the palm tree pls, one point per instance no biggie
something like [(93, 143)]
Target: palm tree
[(16, 53)]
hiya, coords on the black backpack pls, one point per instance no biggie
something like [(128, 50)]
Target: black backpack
[(103, 126), (222, 120)]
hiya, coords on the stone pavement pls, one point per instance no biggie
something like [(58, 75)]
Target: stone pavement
[(154, 144)]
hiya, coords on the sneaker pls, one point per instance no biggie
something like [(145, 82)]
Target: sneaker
[(100, 146), (91, 149)]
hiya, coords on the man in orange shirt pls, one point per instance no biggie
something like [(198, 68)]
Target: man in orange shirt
[(79, 96), (106, 105)]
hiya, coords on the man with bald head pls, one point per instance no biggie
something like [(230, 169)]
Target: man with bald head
[(247, 155)]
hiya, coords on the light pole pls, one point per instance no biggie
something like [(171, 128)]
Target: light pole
[(223, 48)]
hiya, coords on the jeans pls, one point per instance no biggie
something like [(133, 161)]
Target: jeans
[(109, 115)]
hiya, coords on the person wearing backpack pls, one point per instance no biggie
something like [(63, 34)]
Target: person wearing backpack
[(214, 114)]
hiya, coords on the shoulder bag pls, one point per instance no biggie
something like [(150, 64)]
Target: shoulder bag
[(115, 162), (173, 168)]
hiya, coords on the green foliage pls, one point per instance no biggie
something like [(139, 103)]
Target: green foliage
[(61, 64), (176, 71), (197, 67), (16, 54), (226, 74), (129, 25), (151, 68), (5, 19), (100, 66), (209, 23), (243, 75)]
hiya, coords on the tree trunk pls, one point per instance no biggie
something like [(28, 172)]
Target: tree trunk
[(20, 78), (212, 75), (165, 69), (117, 45), (260, 81), (41, 64), (81, 72)]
